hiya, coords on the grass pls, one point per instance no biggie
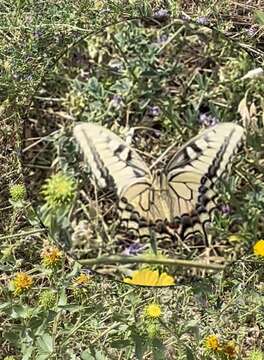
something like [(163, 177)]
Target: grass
[(63, 62)]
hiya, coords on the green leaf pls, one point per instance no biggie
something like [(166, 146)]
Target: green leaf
[(45, 344), (5, 306), (13, 337), (119, 317), (120, 344), (259, 16), (20, 312), (95, 88), (100, 356), (75, 270), (28, 352), (122, 87), (158, 350), (44, 356), (38, 324), (62, 298), (86, 355), (189, 353), (93, 354), (72, 308), (140, 345)]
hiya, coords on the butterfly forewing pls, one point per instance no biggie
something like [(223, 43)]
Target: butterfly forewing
[(109, 157)]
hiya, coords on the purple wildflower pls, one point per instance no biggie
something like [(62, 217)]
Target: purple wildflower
[(202, 20), (88, 271), (154, 111), (251, 31), (207, 120), (161, 14), (185, 17), (133, 249), (37, 34), (225, 209), (117, 102), (162, 39)]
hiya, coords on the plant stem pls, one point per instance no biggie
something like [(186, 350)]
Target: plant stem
[(148, 260)]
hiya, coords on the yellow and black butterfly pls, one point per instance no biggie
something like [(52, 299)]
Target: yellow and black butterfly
[(179, 199)]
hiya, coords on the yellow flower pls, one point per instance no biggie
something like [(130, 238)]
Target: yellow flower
[(259, 248), (153, 311), (166, 280), (21, 282), (51, 256), (230, 348), (82, 279), (212, 343), (149, 277)]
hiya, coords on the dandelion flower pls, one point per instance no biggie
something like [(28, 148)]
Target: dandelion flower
[(259, 248), (51, 256), (81, 280), (149, 277), (21, 283), (211, 342), (17, 192), (153, 311), (230, 349), (58, 190)]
